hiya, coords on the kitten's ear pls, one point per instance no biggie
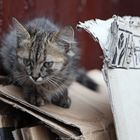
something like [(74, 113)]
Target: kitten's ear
[(66, 33), (21, 31), (66, 37)]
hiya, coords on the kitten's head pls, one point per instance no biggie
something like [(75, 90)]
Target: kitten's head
[(43, 55)]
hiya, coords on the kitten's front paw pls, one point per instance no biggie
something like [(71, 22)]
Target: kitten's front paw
[(62, 102), (65, 103), (36, 100)]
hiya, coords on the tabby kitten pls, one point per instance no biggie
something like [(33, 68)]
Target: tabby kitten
[(41, 58)]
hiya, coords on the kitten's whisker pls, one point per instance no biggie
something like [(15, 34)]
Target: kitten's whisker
[(60, 82), (53, 85), (60, 88), (20, 78)]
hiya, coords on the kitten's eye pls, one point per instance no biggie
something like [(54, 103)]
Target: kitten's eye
[(26, 61), (48, 64)]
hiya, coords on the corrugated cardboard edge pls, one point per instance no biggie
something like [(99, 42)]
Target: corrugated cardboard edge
[(56, 128), (35, 111)]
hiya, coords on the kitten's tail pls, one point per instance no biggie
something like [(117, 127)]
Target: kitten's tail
[(86, 81)]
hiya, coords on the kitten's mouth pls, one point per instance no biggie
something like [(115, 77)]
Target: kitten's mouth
[(38, 80)]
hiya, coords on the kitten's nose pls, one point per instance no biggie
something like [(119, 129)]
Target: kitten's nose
[(35, 78)]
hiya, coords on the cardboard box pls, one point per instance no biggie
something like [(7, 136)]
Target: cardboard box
[(119, 38), (88, 118)]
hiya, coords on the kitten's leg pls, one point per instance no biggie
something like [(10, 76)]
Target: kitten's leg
[(34, 98), (62, 99), (6, 80)]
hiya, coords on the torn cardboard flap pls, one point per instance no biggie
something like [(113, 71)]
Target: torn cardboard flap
[(119, 38), (89, 116), (99, 30)]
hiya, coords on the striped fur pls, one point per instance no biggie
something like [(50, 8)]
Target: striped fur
[(41, 58)]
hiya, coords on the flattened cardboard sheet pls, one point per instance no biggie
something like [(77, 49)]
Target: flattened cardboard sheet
[(89, 116)]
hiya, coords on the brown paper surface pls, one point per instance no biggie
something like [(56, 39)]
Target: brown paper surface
[(89, 114)]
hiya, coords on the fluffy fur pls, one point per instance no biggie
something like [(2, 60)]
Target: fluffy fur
[(41, 58)]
